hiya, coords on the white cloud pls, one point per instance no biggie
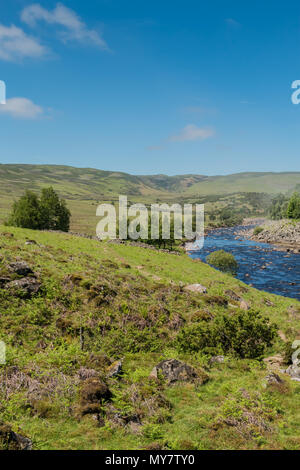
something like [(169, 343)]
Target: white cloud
[(192, 132), (74, 27), (21, 108), (15, 44)]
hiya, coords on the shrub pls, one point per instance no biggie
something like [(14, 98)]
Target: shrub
[(223, 261), (246, 334), (258, 230), (47, 213)]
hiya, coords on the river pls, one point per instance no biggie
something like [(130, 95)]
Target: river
[(260, 264)]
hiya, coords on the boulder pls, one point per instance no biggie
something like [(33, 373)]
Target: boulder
[(217, 359), (294, 372), (177, 371), (244, 305), (274, 362), (26, 287), (30, 242), (21, 268), (273, 378), (114, 369), (196, 288), (233, 295), (10, 440), (85, 373), (4, 280)]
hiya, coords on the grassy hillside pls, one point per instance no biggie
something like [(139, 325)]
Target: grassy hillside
[(84, 188), (101, 302)]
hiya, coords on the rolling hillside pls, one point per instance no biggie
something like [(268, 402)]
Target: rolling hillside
[(83, 188), (83, 306)]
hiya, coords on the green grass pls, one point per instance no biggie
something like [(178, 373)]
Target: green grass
[(140, 323)]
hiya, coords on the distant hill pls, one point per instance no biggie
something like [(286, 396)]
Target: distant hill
[(78, 183), (83, 188)]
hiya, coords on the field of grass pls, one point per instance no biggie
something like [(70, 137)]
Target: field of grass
[(101, 301)]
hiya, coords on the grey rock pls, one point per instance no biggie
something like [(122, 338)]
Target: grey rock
[(233, 295), (217, 359), (244, 305), (177, 371), (196, 288), (4, 280), (21, 268), (25, 287), (30, 242), (273, 378), (293, 371), (22, 442), (115, 369)]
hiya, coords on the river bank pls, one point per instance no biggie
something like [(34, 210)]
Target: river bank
[(283, 234)]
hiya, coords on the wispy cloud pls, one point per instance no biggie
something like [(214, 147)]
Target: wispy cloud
[(74, 29), (191, 132), (21, 108), (232, 22), (15, 44)]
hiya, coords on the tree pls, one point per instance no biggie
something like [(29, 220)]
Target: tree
[(26, 212), (293, 208), (278, 207), (54, 213), (47, 213)]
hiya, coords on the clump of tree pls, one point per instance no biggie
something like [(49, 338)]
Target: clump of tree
[(229, 217), (283, 207), (223, 261), (293, 207), (278, 207), (48, 212)]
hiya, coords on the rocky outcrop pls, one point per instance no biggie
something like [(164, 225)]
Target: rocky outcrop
[(21, 268), (9, 440), (177, 371), (274, 379), (283, 233), (25, 287)]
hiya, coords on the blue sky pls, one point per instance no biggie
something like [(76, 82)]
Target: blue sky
[(151, 86)]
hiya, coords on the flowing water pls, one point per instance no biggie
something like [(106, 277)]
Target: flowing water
[(260, 264)]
